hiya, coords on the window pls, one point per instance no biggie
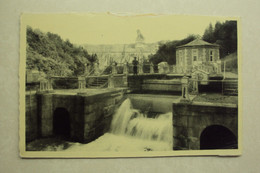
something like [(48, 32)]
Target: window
[(195, 54), (211, 55)]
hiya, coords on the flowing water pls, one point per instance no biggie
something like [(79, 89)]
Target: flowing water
[(132, 130)]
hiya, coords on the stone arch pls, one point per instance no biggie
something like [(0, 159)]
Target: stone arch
[(61, 122), (217, 137)]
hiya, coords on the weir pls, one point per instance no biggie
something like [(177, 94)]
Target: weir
[(132, 130), (145, 121), (131, 122)]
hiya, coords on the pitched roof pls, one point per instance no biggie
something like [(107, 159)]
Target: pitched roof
[(197, 42)]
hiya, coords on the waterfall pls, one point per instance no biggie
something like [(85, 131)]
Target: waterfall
[(130, 122), (132, 130)]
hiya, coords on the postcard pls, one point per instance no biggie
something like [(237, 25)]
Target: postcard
[(126, 85)]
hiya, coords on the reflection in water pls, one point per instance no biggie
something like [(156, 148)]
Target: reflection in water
[(133, 131)]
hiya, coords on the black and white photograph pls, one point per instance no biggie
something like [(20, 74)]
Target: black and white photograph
[(106, 85)]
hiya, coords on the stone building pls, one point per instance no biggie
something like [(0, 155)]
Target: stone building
[(122, 53), (198, 55)]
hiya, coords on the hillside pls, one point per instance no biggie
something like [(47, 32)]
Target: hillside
[(48, 53)]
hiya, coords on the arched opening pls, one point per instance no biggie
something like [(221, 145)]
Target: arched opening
[(61, 123), (217, 137)]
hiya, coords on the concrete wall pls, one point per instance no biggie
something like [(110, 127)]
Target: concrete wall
[(190, 119)]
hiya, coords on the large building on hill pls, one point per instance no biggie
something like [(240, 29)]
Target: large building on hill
[(122, 53), (198, 54)]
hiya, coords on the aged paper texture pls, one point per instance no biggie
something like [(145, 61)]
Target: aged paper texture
[(107, 85)]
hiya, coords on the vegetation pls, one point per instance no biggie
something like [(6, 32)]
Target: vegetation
[(167, 51), (223, 34), (231, 63), (48, 53)]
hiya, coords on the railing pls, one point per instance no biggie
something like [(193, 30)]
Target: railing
[(149, 68), (226, 87)]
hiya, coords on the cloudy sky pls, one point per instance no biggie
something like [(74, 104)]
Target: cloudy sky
[(113, 29)]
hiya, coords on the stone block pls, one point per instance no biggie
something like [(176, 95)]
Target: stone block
[(194, 143), (90, 117), (180, 121), (109, 110), (180, 132), (107, 122), (76, 116), (195, 131), (180, 143), (46, 113), (46, 127), (46, 99), (90, 108), (109, 101), (86, 130)]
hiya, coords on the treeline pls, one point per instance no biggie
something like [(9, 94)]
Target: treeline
[(48, 53), (167, 51), (223, 34)]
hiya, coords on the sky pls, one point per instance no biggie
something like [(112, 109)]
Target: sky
[(119, 29)]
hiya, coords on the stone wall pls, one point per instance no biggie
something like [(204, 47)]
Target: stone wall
[(190, 119), (90, 115), (135, 82), (117, 81), (31, 117), (151, 104), (162, 85), (75, 106), (98, 112)]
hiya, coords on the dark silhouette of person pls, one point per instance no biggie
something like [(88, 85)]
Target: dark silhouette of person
[(135, 63)]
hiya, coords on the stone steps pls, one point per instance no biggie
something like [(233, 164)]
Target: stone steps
[(99, 82)]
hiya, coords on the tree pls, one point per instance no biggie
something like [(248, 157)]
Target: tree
[(47, 52), (167, 51), (225, 35), (209, 34)]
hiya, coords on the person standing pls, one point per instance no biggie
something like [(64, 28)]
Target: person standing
[(135, 63)]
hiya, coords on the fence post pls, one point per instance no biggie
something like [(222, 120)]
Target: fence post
[(81, 83), (114, 71), (96, 69), (111, 81), (196, 85), (185, 91), (126, 68), (125, 80)]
